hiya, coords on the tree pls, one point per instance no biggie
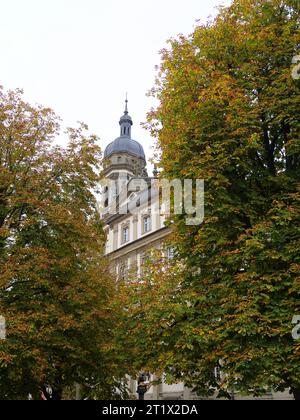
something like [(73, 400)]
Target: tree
[(229, 114), (54, 282)]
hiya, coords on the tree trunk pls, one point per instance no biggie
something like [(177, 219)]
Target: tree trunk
[(296, 393), (57, 394)]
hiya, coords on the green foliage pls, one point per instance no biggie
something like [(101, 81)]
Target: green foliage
[(54, 286)]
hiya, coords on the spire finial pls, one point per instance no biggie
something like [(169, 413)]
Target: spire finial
[(126, 121), (126, 106)]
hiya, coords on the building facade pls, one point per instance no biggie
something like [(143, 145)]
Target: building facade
[(131, 236)]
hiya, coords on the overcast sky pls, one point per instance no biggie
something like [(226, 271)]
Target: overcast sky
[(80, 57)]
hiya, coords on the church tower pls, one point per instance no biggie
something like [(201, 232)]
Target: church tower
[(125, 157)]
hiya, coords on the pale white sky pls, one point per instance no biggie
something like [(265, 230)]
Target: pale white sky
[(80, 57)]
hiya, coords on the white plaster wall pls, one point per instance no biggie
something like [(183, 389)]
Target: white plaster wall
[(169, 389)]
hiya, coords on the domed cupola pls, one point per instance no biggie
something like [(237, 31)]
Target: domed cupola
[(124, 153)]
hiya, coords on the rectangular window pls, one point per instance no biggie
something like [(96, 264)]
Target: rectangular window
[(145, 260), (170, 253), (123, 272), (147, 226), (125, 235)]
